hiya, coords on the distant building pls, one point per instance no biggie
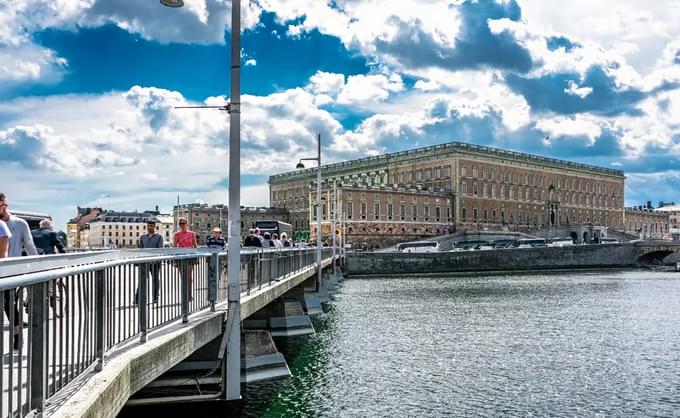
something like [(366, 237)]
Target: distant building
[(75, 226), (378, 216), (644, 222), (202, 218), (488, 188), (116, 229), (673, 212)]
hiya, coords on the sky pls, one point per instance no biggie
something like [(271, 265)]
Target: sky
[(88, 90)]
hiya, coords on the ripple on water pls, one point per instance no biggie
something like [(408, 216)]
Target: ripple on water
[(596, 344)]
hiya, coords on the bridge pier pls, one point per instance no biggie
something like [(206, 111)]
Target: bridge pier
[(284, 318)]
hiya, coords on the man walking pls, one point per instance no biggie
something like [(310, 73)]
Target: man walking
[(216, 240), (152, 239), (19, 240), (46, 240)]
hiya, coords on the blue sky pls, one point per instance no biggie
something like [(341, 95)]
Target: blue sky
[(87, 89)]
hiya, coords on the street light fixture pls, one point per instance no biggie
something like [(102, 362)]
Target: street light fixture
[(231, 384), (318, 207)]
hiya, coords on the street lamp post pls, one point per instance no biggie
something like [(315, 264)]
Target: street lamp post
[(231, 366), (318, 206)]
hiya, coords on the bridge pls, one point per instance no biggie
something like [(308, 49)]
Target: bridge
[(82, 333)]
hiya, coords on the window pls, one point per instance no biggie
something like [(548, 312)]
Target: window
[(447, 171), (363, 208), (437, 172), (484, 190), (493, 190), (401, 178), (448, 212), (464, 214), (437, 212), (349, 210), (502, 196), (510, 178), (511, 193), (376, 209), (414, 211), (463, 171), (474, 215), (463, 187), (486, 215), (474, 189), (402, 210), (427, 211), (419, 175), (474, 171), (389, 210)]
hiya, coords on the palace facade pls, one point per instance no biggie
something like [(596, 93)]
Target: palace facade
[(481, 188)]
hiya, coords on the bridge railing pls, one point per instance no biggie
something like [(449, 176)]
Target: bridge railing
[(80, 308)]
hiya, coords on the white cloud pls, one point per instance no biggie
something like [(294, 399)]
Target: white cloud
[(366, 89)]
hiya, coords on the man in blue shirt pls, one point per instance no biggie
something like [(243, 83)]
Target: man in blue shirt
[(152, 239), (216, 240)]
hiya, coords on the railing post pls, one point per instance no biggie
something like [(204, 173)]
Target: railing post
[(213, 274), (38, 347), (141, 292), (184, 285), (100, 312)]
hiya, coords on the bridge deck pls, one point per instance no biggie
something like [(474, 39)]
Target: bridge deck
[(74, 387)]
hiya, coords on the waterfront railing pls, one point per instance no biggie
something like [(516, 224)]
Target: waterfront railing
[(64, 313)]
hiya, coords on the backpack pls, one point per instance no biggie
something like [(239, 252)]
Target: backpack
[(286, 243)]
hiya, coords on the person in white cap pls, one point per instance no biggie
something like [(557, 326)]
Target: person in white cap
[(216, 240)]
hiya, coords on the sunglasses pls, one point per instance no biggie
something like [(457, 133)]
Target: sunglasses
[(182, 223)]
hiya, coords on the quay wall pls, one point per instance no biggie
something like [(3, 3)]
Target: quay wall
[(546, 258)]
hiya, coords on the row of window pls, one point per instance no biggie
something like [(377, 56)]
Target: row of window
[(510, 193), (538, 180), (134, 227), (525, 217)]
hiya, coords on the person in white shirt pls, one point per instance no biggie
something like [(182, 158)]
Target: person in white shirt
[(5, 235), (21, 239)]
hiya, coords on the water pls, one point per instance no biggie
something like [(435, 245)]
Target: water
[(576, 344)]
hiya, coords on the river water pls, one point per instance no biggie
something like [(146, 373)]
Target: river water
[(571, 344)]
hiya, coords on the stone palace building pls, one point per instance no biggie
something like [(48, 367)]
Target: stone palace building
[(452, 187)]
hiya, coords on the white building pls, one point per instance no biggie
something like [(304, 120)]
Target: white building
[(123, 229), (673, 220)]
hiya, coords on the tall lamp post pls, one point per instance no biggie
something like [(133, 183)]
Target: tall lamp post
[(231, 387), (318, 206)]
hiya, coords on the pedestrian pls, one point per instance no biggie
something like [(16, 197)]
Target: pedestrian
[(267, 241), (4, 239), (285, 241), (20, 241), (252, 240), (216, 240), (46, 240), (152, 239), (259, 235), (276, 241), (184, 238)]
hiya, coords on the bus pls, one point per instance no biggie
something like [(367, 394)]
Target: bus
[(532, 243), (418, 247), (275, 227)]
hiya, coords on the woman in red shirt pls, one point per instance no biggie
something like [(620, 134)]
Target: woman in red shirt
[(186, 239)]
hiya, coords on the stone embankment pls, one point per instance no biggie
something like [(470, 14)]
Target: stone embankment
[(524, 259)]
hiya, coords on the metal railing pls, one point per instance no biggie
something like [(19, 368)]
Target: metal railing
[(81, 307)]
